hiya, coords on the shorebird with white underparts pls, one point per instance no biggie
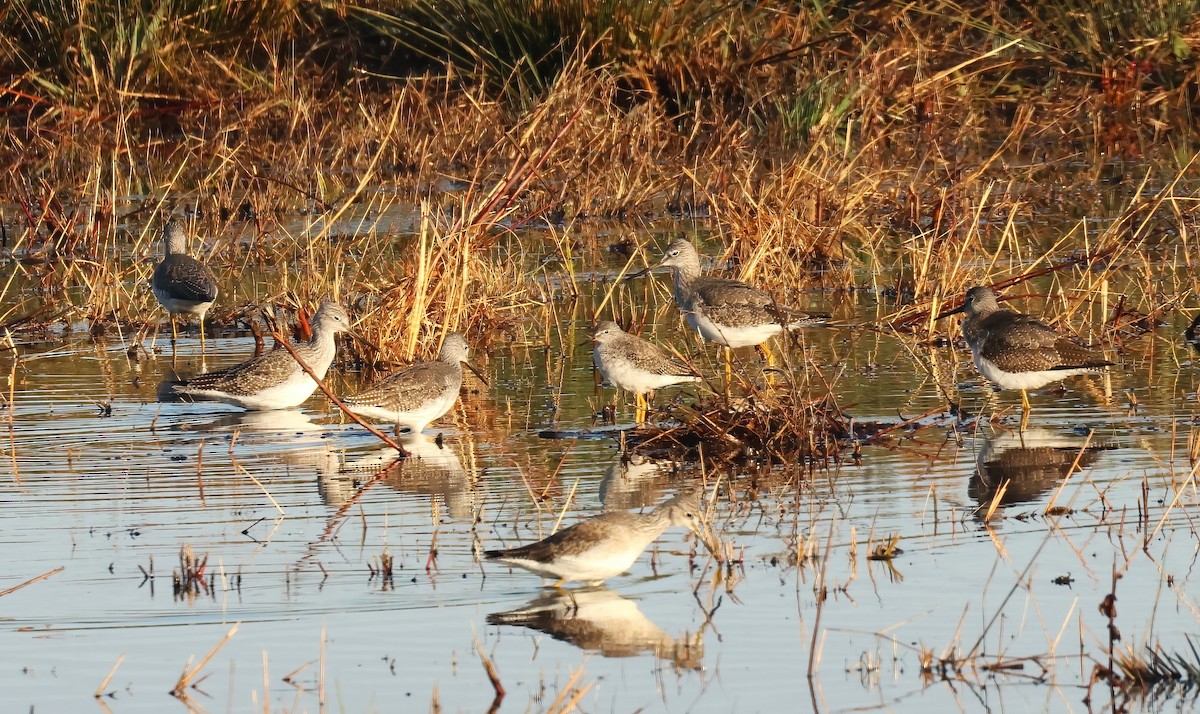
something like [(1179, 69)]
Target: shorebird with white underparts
[(182, 284), (603, 546), (728, 312), (275, 380), (636, 365), (419, 393), (1017, 351)]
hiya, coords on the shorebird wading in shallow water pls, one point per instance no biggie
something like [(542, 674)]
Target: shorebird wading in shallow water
[(182, 284), (419, 393), (728, 312), (274, 380), (1017, 351), (603, 546), (635, 365)]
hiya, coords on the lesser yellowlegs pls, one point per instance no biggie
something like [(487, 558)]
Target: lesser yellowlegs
[(635, 365), (274, 380), (728, 312), (417, 394), (1017, 351), (182, 284), (602, 546)]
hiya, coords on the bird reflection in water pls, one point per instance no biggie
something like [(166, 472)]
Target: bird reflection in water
[(288, 436), (1026, 465), (634, 481), (596, 619), (432, 468)]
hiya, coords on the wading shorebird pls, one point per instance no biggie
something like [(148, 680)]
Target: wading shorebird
[(1016, 351), (182, 284), (728, 312), (419, 393), (274, 380), (603, 546), (635, 365)]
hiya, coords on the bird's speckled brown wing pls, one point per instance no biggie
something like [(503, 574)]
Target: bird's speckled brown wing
[(648, 357), (409, 388), (719, 292), (573, 540), (186, 278), (250, 377), (732, 302), (1020, 343)]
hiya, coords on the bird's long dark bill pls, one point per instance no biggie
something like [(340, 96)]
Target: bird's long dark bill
[(948, 313), (707, 539), (479, 374), (358, 337), (640, 273)]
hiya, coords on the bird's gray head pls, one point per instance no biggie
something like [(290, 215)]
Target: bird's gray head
[(454, 348), (979, 302), (681, 255), (174, 238), (685, 510), (331, 317), (606, 331)]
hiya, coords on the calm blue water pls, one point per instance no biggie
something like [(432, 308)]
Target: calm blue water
[(272, 502)]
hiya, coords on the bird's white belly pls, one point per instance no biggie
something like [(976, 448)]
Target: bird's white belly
[(290, 393), (592, 565), (414, 420), (623, 375), (176, 306), (732, 335), (1021, 380)]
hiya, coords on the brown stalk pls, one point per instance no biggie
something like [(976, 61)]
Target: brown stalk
[(189, 673), (31, 581), (287, 345), (493, 676), (108, 678)]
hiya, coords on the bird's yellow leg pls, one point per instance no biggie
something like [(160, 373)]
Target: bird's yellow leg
[(154, 333), (1025, 409), (641, 407), (558, 583), (767, 353), (202, 333), (174, 330), (1025, 401), (769, 372), (728, 370)]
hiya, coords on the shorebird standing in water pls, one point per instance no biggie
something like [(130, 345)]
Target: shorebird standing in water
[(182, 284), (728, 312), (1017, 351), (635, 365), (275, 380), (419, 393), (603, 546)]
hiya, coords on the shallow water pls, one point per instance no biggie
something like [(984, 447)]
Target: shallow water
[(273, 502)]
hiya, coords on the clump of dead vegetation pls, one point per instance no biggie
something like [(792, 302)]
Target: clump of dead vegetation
[(923, 146), (775, 427)]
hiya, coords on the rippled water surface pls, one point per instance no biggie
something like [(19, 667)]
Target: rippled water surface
[(294, 545)]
